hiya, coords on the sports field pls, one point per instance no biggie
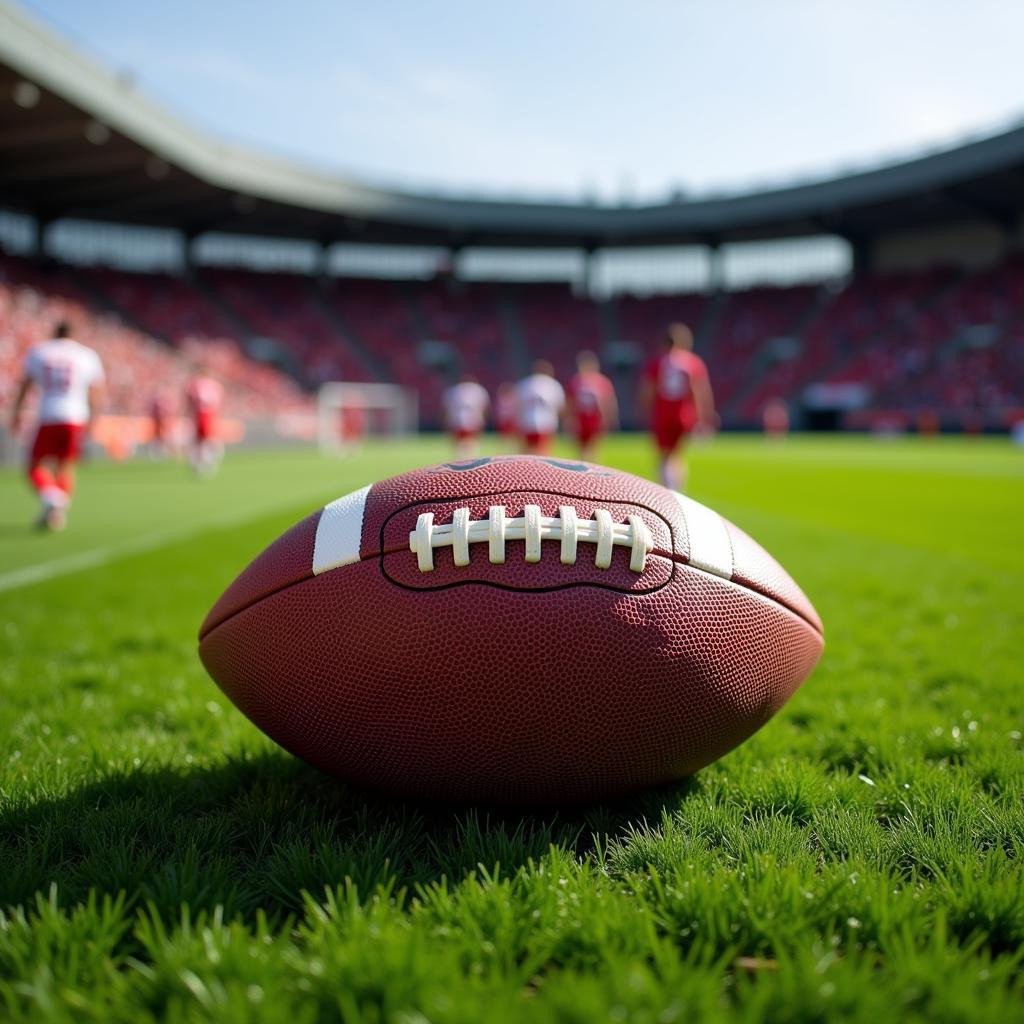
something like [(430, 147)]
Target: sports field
[(858, 859)]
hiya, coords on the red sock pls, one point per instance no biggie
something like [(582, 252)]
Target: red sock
[(66, 482), (41, 478)]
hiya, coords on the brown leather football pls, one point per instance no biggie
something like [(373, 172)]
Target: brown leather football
[(511, 630)]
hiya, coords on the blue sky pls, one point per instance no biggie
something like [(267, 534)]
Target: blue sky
[(567, 97)]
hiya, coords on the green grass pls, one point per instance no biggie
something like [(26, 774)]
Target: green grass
[(859, 858)]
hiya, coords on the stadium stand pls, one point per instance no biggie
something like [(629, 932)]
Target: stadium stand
[(642, 319), (467, 317), (753, 325), (380, 322), (556, 325), (34, 297), (965, 352), (281, 308), (941, 341), (842, 343), (910, 339), (168, 307)]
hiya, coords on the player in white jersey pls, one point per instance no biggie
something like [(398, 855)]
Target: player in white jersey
[(465, 413), (69, 377), (539, 404)]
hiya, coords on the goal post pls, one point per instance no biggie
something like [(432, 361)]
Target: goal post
[(349, 413)]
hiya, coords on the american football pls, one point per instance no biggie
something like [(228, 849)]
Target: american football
[(511, 630)]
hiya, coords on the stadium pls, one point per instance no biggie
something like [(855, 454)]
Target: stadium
[(858, 859), (903, 311)]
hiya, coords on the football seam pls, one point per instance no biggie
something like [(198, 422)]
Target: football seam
[(676, 560), (444, 586), (382, 550), (534, 590), (597, 500)]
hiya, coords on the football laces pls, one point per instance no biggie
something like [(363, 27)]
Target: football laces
[(534, 529)]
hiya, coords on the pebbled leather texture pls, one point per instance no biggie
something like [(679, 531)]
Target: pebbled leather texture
[(287, 561), (523, 683), (756, 569)]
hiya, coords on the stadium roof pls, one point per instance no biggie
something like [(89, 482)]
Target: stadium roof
[(77, 140)]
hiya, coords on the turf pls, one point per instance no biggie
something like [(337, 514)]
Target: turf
[(859, 859)]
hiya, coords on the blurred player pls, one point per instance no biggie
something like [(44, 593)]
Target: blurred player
[(353, 423), (69, 377), (591, 406), (465, 413), (540, 401), (676, 396), (505, 410), (204, 397), (160, 420), (775, 418), (929, 423)]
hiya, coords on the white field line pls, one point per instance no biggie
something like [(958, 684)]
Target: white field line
[(112, 552)]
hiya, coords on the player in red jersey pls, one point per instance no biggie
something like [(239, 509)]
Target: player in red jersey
[(69, 377), (204, 397), (775, 418), (591, 406), (160, 419), (465, 412), (540, 401), (353, 422), (505, 410), (676, 395)]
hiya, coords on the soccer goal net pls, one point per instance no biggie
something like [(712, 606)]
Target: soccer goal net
[(347, 414)]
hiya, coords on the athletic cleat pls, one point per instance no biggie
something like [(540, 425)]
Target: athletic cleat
[(55, 518)]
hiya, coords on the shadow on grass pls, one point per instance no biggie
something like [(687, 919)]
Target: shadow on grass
[(254, 834)]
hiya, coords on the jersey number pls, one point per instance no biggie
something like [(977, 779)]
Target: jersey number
[(57, 377), (673, 382)]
